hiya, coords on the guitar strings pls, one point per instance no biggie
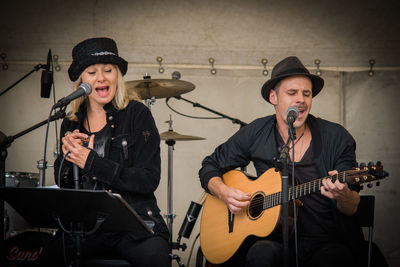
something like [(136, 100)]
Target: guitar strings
[(276, 197)]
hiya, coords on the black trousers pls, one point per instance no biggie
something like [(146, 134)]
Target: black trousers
[(326, 252), (257, 254), (312, 253), (152, 251)]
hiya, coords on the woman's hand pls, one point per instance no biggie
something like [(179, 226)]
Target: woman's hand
[(73, 147)]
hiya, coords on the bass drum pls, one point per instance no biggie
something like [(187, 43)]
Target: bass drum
[(13, 221), (26, 248)]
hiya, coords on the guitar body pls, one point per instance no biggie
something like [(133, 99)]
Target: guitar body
[(218, 240), (222, 233)]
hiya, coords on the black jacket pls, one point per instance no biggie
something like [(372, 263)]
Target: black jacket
[(131, 163), (334, 148)]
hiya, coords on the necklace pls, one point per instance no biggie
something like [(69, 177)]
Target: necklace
[(301, 147), (88, 125), (298, 139)]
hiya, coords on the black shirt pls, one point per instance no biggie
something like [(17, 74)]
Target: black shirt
[(315, 216), (100, 140)]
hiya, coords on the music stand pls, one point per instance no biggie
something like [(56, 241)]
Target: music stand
[(89, 210)]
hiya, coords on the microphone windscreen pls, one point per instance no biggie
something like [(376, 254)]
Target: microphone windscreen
[(293, 111)]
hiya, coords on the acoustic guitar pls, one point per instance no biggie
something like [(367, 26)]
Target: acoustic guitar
[(222, 233)]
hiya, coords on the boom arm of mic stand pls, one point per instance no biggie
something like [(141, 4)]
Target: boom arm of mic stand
[(36, 68), (9, 139), (234, 120)]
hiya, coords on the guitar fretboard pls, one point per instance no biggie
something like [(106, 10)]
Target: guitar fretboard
[(300, 190)]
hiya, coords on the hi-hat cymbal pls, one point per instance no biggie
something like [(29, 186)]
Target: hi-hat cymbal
[(171, 135), (159, 88)]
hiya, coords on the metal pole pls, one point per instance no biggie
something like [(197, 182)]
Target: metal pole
[(170, 215)]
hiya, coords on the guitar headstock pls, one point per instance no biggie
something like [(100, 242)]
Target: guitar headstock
[(366, 174)]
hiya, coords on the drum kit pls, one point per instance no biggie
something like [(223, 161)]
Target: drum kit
[(148, 90)]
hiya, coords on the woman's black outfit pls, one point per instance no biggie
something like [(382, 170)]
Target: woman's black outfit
[(125, 160)]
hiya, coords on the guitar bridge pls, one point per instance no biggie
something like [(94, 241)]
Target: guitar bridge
[(231, 218)]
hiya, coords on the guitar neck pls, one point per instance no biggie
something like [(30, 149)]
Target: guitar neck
[(301, 190)]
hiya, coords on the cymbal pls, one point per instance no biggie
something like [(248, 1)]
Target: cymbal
[(171, 135), (159, 88)]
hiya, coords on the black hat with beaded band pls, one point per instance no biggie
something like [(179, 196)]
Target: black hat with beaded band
[(95, 51), (290, 66)]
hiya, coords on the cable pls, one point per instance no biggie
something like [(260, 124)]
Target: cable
[(189, 116), (191, 249), (64, 249), (54, 102), (59, 170), (45, 148)]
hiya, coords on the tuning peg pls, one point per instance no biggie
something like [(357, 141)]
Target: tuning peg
[(370, 185), (370, 164), (362, 165), (378, 183), (378, 163)]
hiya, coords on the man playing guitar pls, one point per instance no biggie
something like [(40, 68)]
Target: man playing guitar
[(322, 148)]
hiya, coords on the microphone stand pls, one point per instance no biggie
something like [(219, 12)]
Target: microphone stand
[(197, 105), (284, 160), (5, 142), (35, 68), (77, 233)]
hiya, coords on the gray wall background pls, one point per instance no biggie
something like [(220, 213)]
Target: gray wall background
[(344, 35)]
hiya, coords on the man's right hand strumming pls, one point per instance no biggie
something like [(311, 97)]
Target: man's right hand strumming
[(234, 199)]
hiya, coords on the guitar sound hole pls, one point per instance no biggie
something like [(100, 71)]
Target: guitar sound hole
[(256, 206)]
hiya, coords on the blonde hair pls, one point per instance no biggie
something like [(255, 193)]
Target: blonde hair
[(120, 101)]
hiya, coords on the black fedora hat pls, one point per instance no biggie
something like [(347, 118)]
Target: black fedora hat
[(290, 66), (94, 51)]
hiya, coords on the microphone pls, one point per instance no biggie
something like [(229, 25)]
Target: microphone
[(47, 78), (291, 115), (190, 219), (83, 89), (176, 75)]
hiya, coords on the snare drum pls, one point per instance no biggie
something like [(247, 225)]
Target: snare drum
[(22, 179)]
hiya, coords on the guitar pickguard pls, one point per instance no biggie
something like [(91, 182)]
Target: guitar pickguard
[(231, 218)]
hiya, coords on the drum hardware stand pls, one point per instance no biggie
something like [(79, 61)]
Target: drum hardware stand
[(5, 142), (170, 216), (42, 166), (149, 99)]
